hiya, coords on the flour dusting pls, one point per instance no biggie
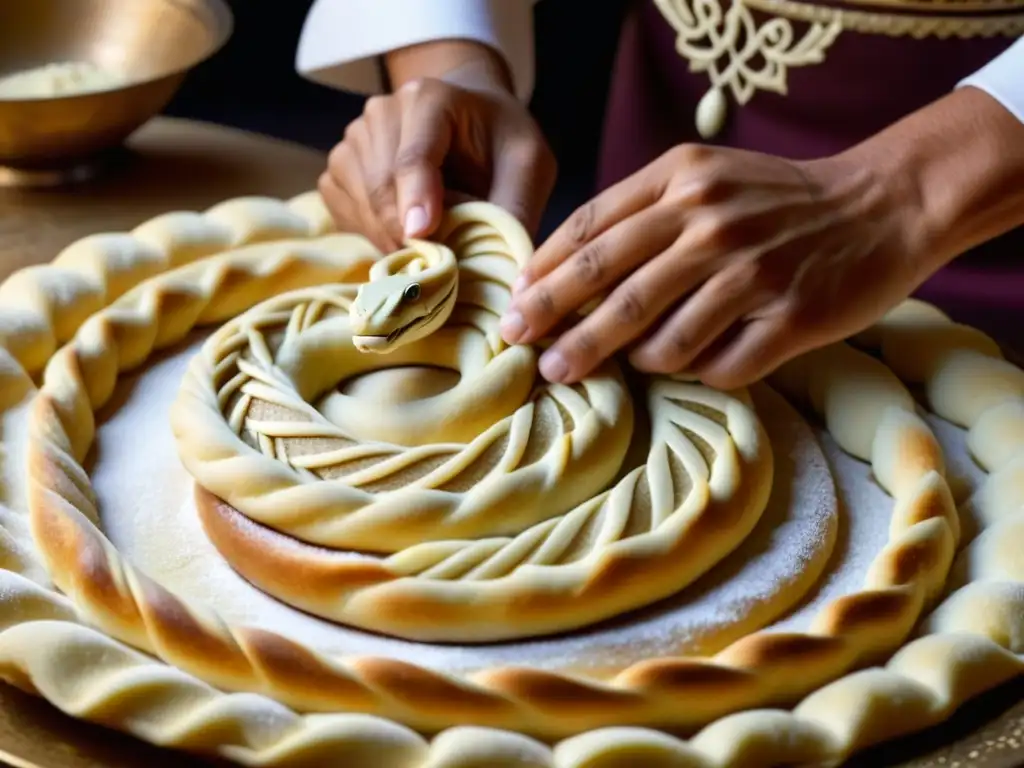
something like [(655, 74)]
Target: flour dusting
[(866, 511), (149, 514)]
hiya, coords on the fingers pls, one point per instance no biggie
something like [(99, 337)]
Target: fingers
[(626, 314), (524, 175), (619, 202), (394, 160), (725, 298), (337, 200), (426, 136), (376, 141), (388, 165), (603, 262), (757, 350), (346, 197)]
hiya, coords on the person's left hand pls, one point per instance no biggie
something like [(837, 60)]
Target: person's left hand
[(721, 263)]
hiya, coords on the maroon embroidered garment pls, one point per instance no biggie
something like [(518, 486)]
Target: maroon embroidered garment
[(864, 83)]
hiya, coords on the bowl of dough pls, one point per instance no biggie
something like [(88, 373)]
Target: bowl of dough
[(77, 77)]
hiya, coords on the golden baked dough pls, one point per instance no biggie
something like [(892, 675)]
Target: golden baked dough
[(492, 497), (970, 642)]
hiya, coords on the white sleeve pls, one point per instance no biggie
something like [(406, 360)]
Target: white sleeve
[(1003, 79), (342, 39)]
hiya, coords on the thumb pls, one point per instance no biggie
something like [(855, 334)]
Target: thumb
[(425, 141), (524, 175)]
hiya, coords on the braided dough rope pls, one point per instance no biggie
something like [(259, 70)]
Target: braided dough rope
[(42, 649), (579, 553), (758, 669), (43, 306)]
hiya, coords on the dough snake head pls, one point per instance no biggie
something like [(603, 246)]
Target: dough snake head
[(399, 309)]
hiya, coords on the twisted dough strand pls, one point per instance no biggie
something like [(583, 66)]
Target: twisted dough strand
[(944, 668), (754, 670), (44, 655), (43, 306)]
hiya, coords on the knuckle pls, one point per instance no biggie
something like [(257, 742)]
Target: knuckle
[(412, 157), (380, 194), (336, 157), (354, 131), (583, 346), (688, 154), (590, 263), (717, 233), (532, 151), (581, 223), (541, 304), (529, 150), (709, 188), (375, 105), (422, 87), (683, 346), (413, 88), (323, 184), (629, 307), (745, 276)]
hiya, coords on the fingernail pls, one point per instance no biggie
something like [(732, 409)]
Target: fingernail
[(553, 366), (520, 284), (512, 327), (416, 220)]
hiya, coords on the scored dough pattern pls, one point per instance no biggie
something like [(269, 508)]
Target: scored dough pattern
[(968, 644), (579, 554)]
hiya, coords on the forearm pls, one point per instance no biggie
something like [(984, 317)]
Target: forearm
[(957, 167), (461, 62)]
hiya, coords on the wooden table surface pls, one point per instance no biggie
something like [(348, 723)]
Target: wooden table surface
[(176, 164)]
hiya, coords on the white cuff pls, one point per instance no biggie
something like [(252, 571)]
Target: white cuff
[(341, 39), (1003, 79)]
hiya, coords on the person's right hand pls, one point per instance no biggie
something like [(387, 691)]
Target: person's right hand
[(388, 178)]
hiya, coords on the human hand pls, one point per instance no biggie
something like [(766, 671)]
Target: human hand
[(465, 132), (721, 263)]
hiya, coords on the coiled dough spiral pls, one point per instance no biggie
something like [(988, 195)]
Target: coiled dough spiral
[(577, 553)]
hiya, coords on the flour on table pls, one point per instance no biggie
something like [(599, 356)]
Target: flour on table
[(149, 514)]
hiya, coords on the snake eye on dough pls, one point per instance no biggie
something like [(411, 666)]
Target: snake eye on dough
[(411, 292)]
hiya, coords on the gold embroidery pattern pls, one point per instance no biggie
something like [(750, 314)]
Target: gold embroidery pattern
[(743, 56), (939, 7), (917, 26)]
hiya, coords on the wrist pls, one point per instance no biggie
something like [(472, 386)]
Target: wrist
[(462, 63), (952, 171)]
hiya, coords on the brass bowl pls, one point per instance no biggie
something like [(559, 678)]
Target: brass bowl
[(152, 43)]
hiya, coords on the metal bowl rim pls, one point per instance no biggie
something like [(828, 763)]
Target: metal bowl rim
[(225, 25)]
